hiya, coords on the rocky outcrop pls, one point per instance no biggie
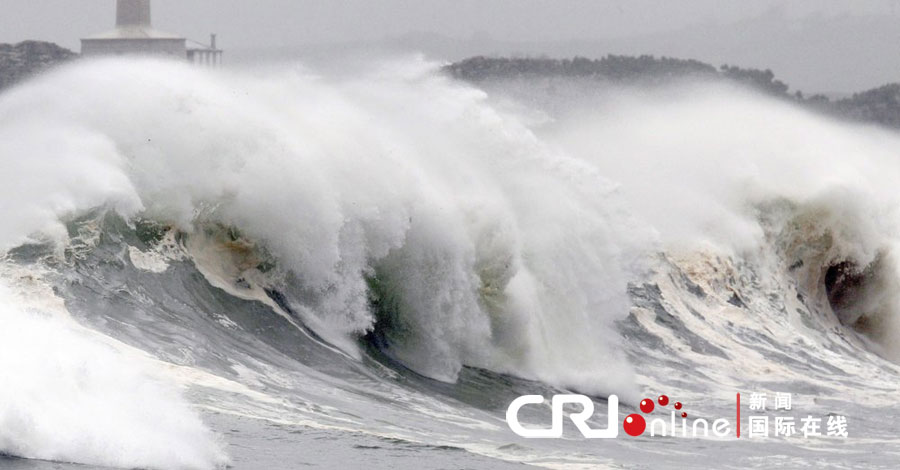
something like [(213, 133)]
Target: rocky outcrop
[(25, 59)]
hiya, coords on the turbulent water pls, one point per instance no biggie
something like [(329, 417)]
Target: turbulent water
[(276, 268)]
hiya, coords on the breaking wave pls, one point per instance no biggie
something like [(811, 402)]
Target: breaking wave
[(265, 238), (71, 395)]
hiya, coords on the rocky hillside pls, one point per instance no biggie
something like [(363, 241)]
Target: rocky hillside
[(880, 105), (646, 69), (22, 60)]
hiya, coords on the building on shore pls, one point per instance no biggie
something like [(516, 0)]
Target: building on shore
[(134, 35), (203, 54)]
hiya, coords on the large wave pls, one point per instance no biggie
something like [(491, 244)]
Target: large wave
[(405, 217), (483, 247), (72, 395), (756, 179)]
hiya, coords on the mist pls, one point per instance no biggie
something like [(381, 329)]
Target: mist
[(835, 46), (338, 248)]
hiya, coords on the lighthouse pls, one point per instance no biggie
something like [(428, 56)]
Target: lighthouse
[(134, 35), (133, 13)]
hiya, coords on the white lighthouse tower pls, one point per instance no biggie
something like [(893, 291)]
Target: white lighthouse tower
[(134, 34)]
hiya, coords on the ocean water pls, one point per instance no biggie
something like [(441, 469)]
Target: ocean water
[(284, 267)]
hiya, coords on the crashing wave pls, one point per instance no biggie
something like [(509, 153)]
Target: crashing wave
[(343, 252)]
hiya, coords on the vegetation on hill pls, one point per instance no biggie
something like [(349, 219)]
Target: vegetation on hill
[(880, 105), (25, 59)]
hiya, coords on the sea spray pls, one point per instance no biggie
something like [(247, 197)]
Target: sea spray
[(495, 249), (71, 395)]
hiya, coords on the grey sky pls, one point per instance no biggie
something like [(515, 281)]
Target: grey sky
[(817, 45)]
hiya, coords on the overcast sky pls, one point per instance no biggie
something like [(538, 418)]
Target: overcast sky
[(817, 45)]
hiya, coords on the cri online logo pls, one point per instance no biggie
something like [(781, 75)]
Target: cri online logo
[(633, 424)]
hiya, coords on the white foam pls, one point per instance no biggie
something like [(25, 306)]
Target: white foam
[(492, 248), (69, 395), (496, 249)]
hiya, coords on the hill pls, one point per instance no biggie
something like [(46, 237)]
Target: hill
[(25, 59), (880, 105)]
